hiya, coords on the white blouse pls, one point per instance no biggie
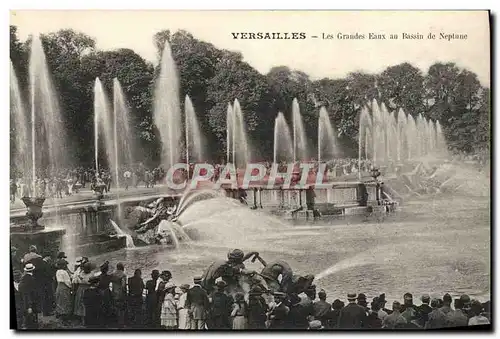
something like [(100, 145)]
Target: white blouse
[(63, 277)]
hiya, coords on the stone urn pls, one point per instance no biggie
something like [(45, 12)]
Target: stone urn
[(34, 212)]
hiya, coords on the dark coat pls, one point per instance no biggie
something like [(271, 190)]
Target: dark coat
[(197, 302), (135, 289), (92, 303), (373, 321), (435, 319), (135, 286), (151, 301), (220, 310), (322, 311), (352, 316), (424, 311), (28, 293), (279, 316), (106, 298), (297, 317), (257, 309), (333, 319)]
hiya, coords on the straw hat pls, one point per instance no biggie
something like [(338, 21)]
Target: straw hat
[(315, 325), (351, 296), (170, 285), (184, 287), (29, 267)]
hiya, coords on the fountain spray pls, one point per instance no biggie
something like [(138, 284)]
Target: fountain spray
[(186, 120)]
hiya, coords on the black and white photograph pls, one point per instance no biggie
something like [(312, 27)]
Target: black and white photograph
[(244, 170)]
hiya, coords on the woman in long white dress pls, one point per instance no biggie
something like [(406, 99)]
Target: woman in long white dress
[(168, 309), (239, 312), (184, 320)]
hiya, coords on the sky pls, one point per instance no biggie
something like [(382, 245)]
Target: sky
[(317, 57)]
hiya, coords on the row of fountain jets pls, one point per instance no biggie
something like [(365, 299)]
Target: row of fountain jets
[(383, 135)]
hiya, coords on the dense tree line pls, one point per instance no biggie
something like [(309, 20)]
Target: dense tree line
[(213, 78)]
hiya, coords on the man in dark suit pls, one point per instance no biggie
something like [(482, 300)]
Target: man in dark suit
[(197, 304), (424, 310), (220, 308), (135, 289), (322, 309), (353, 316), (151, 298), (28, 293), (279, 314)]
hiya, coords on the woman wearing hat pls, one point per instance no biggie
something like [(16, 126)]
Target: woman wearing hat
[(239, 313), (81, 283), (78, 265), (63, 291), (169, 310)]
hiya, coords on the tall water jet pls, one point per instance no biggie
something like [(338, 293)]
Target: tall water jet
[(440, 140), (365, 144), (115, 148), (420, 123), (375, 131), (327, 138), (401, 132), (103, 126), (166, 111), (125, 137), (392, 137), (384, 128), (432, 134), (193, 135), (412, 137), (20, 124), (241, 151), (96, 134), (48, 137), (229, 131), (121, 138), (283, 149), (300, 149)]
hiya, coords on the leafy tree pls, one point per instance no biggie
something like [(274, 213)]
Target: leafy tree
[(401, 86), (235, 79), (439, 86), (214, 77)]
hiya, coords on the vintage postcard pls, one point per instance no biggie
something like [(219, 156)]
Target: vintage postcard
[(250, 170)]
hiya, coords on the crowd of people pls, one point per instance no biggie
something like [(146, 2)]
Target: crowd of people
[(62, 183), (96, 298)]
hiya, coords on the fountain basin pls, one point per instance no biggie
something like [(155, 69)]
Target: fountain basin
[(48, 241), (99, 243)]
